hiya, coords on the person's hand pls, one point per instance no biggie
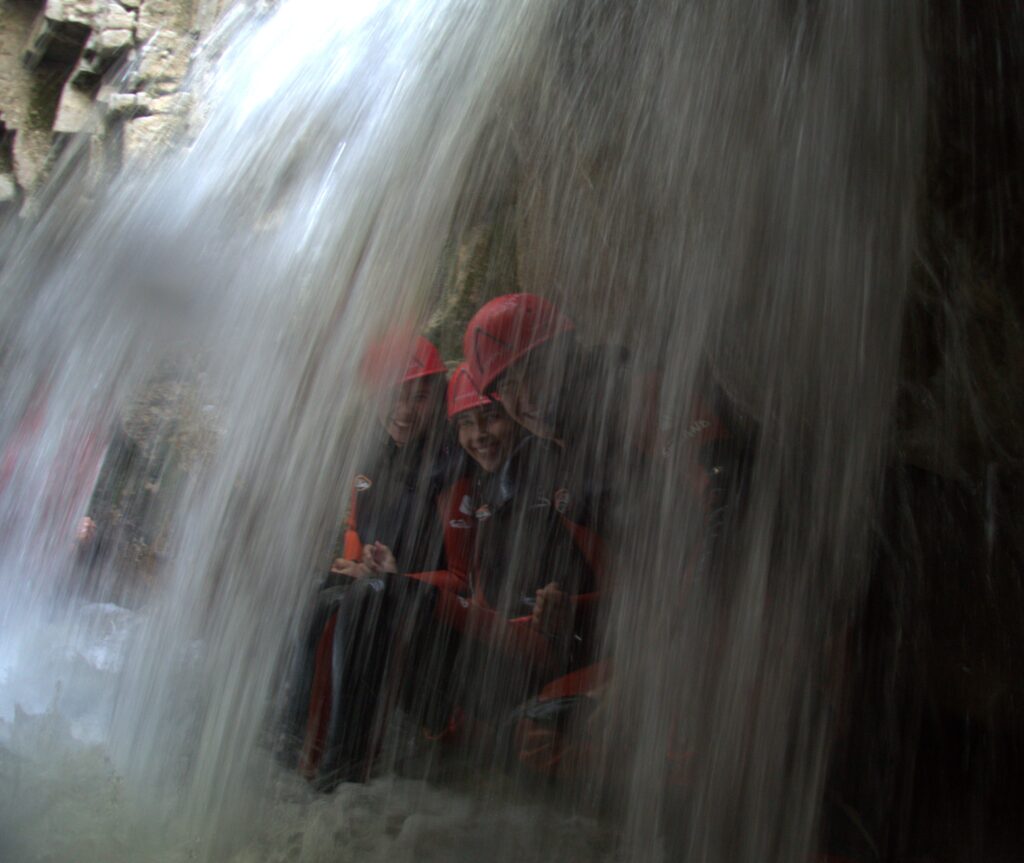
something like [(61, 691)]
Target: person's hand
[(350, 568), (552, 613), (85, 533), (379, 558)]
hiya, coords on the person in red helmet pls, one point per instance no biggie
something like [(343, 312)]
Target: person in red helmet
[(523, 351), (374, 623), (513, 636), (484, 430), (599, 410), (486, 435), (393, 503), (534, 581), (520, 348)]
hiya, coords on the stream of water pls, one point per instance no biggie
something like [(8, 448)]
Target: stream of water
[(727, 189)]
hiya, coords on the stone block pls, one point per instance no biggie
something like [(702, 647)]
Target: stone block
[(148, 136), (175, 103), (114, 41), (55, 40), (72, 11), (164, 16), (165, 61), (99, 54), (75, 111), (163, 88), (30, 150), (128, 104), (88, 70), (8, 189), (117, 18)]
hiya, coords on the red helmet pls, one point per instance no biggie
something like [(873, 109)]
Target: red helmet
[(400, 357), (505, 330), (462, 392)]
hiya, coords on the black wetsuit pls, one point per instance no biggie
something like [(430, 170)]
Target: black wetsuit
[(522, 543), (395, 503)]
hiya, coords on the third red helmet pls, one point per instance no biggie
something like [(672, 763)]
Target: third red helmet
[(504, 330)]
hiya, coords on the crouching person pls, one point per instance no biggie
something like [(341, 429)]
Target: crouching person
[(510, 630), (393, 504), (523, 352)]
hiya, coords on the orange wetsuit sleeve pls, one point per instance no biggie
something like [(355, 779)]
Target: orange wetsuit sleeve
[(353, 549)]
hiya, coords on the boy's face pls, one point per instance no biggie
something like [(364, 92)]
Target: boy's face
[(409, 411), (529, 398), (486, 433)]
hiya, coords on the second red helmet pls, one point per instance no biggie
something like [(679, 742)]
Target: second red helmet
[(463, 394), (504, 330)]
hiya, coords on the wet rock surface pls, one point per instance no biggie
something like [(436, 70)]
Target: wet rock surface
[(55, 57)]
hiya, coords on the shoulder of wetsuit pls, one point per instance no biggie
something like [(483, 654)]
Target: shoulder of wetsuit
[(389, 451), (406, 464), (586, 504), (377, 455), (736, 423), (607, 356), (428, 466), (534, 467), (449, 461), (595, 367), (595, 389), (733, 437), (376, 461), (599, 366), (457, 466), (467, 474)]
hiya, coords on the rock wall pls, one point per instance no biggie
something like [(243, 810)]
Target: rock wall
[(59, 75), (25, 131)]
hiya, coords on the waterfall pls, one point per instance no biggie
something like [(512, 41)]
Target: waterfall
[(726, 189)]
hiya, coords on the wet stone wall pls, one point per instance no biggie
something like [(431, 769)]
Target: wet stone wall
[(60, 75)]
